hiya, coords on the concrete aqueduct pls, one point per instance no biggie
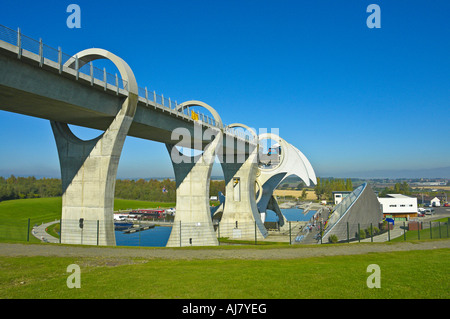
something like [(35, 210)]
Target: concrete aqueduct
[(39, 81)]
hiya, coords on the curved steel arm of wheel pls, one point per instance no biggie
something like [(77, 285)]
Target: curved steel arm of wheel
[(309, 168), (291, 162)]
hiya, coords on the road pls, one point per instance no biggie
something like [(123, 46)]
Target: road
[(439, 212), (40, 233)]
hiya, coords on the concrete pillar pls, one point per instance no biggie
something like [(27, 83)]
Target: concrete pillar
[(89, 168), (193, 224), (241, 218)]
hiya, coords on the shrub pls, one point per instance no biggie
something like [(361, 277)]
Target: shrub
[(333, 239), (375, 230), (362, 234)]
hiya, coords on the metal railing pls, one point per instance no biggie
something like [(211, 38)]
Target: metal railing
[(47, 55), (343, 207), (385, 232), (156, 233)]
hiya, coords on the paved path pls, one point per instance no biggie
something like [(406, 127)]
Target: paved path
[(291, 252), (40, 233), (384, 237)]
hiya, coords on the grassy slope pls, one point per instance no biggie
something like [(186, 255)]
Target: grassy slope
[(14, 214), (47, 209)]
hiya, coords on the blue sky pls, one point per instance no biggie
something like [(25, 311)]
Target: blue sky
[(352, 99)]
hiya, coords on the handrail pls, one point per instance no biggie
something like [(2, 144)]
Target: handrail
[(344, 206), (106, 79)]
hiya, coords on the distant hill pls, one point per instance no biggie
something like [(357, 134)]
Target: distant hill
[(442, 172)]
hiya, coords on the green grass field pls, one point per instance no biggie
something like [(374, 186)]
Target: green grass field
[(409, 274), (412, 274), (14, 214)]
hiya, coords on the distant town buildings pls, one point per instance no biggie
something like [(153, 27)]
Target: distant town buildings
[(438, 183)]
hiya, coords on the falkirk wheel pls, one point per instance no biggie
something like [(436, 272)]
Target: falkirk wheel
[(286, 160), (250, 186)]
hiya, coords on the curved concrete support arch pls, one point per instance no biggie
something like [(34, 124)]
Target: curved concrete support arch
[(240, 218), (213, 112), (93, 54), (193, 224), (212, 133), (255, 136), (89, 168)]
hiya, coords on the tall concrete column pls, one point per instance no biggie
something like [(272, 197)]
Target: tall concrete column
[(240, 218), (193, 224), (89, 168)]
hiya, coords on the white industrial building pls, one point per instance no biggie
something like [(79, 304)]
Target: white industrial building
[(339, 196), (398, 206)]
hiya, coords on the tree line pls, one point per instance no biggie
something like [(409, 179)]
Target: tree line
[(29, 187), (156, 190), (399, 188), (325, 187), (140, 189)]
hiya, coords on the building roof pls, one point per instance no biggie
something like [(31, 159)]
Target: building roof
[(398, 196)]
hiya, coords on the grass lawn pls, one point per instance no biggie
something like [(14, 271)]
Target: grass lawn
[(14, 214), (410, 274)]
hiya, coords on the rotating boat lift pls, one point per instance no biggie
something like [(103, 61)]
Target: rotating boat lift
[(246, 204), (290, 162)]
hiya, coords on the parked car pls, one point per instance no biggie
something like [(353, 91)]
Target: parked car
[(446, 205), (170, 211), (429, 211)]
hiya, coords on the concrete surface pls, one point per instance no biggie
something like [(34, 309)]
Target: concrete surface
[(89, 168)]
